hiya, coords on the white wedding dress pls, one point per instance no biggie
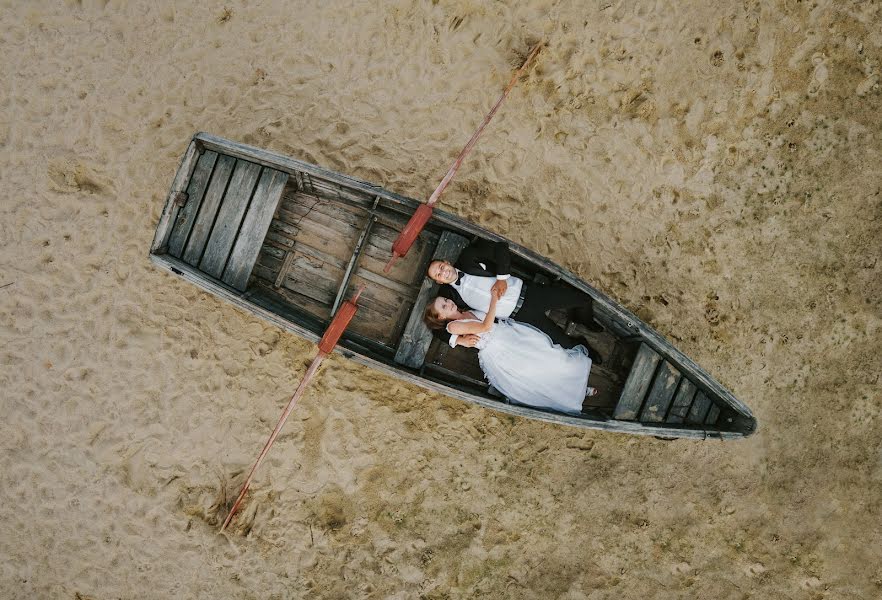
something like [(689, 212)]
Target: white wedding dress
[(524, 365)]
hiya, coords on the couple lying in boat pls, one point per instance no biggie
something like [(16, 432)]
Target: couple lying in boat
[(522, 352)]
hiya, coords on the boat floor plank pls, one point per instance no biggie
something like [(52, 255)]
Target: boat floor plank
[(278, 245), (295, 214), (315, 235), (332, 217), (387, 291), (292, 202), (372, 325), (254, 227), (195, 193), (661, 394), (339, 242), (637, 384), (316, 296), (700, 407), (220, 178), (284, 269), (712, 415), (407, 291), (229, 218), (307, 227), (328, 213), (387, 301), (682, 401), (320, 311), (322, 208), (320, 281), (458, 360), (375, 278)]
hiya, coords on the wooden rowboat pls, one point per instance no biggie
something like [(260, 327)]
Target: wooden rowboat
[(286, 241)]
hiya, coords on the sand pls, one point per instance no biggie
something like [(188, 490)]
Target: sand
[(713, 166)]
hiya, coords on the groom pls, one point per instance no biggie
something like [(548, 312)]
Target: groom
[(484, 266)]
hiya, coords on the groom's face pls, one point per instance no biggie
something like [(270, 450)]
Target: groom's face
[(442, 271)]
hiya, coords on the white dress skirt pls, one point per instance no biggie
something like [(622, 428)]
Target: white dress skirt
[(528, 368)]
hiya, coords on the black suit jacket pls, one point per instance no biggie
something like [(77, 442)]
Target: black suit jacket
[(496, 260), (493, 255)]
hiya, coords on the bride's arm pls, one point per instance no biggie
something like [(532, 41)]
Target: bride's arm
[(461, 327)]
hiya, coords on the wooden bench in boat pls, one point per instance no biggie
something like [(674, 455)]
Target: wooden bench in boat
[(293, 240), (656, 392), (224, 215)]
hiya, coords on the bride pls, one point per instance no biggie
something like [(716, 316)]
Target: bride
[(518, 360)]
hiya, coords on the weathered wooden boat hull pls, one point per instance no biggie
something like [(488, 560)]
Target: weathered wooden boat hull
[(658, 375)]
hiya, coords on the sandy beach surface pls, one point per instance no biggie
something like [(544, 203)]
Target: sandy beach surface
[(716, 167)]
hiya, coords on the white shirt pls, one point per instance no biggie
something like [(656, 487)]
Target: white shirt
[(475, 291)]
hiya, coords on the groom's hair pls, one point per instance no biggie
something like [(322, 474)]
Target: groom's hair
[(432, 319), (429, 268)]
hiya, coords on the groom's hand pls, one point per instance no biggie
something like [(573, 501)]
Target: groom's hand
[(500, 287), (469, 340)]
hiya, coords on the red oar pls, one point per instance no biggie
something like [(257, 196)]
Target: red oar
[(424, 212), (326, 346)]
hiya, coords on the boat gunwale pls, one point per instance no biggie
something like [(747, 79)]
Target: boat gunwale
[(202, 141)]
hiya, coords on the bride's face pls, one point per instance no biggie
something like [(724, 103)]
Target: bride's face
[(445, 308)]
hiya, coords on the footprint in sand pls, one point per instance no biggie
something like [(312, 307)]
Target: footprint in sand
[(681, 568), (69, 175), (819, 75)]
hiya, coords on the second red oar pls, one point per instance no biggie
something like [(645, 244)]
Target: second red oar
[(423, 213), (326, 346)]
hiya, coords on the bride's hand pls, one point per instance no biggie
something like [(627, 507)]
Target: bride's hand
[(487, 324), (469, 340)]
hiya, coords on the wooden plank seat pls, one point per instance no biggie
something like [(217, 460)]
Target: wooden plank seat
[(661, 394), (682, 401), (195, 192), (656, 392), (228, 209), (254, 226), (699, 410), (416, 338), (207, 211), (712, 415), (639, 380)]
